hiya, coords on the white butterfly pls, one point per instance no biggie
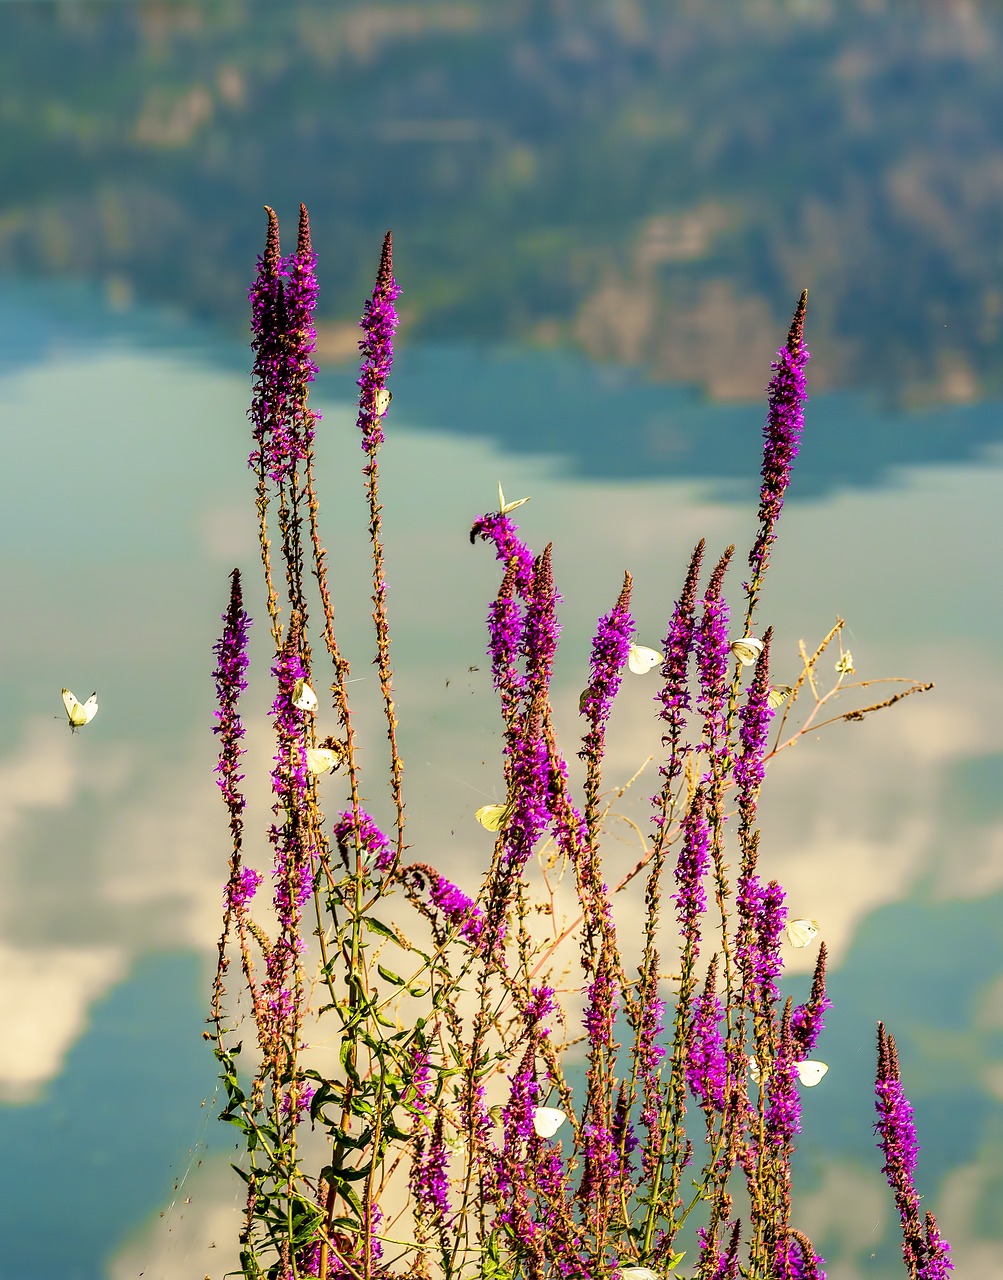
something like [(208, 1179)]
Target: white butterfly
[(778, 695), (505, 507), (493, 817), (638, 1273), (382, 400), (79, 713), (547, 1120), (747, 650), (320, 760), (304, 698), (640, 660), (809, 1072), (800, 932)]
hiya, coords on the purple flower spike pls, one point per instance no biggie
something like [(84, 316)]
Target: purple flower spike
[(283, 298), (938, 1252), (714, 655), (674, 694), (754, 727), (706, 1064), (509, 547), (430, 1178), (242, 889), (290, 834), (799, 1261), (807, 1020), (372, 843), (379, 324), (725, 1266), (231, 668), (610, 649), (761, 916), (782, 435), (926, 1255), (459, 910), (783, 1103), (691, 866), (542, 627)]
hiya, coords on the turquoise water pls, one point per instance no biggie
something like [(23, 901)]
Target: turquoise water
[(127, 502)]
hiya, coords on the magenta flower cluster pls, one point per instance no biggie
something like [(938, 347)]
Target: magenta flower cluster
[(372, 844), (523, 631), (610, 650), (293, 869), (283, 298), (230, 673), (379, 324), (927, 1256), (755, 716), (459, 910), (782, 435)]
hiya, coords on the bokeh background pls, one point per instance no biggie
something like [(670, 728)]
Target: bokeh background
[(603, 215)]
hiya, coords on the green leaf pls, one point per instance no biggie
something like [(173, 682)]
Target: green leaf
[(378, 927)]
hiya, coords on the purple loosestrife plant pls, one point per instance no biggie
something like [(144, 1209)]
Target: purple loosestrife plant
[(926, 1255), (448, 1134), (782, 439)]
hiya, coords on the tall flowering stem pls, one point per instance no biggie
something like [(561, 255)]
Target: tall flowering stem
[(230, 677), (610, 650), (713, 657), (283, 298), (674, 702), (782, 439), (379, 324), (691, 904), (926, 1255)]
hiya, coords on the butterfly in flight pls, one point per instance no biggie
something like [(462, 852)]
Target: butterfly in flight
[(79, 713)]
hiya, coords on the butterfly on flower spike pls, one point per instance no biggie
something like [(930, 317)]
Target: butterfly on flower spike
[(304, 698), (800, 932), (79, 713), (328, 755), (808, 1072), (505, 507), (493, 817), (640, 659), (778, 695), (747, 650), (547, 1120)]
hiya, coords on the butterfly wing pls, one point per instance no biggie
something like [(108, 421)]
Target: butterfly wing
[(747, 650), (491, 816), (79, 713), (547, 1120), (800, 932), (304, 698), (320, 760), (778, 695), (641, 659), (810, 1073), (383, 398)]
